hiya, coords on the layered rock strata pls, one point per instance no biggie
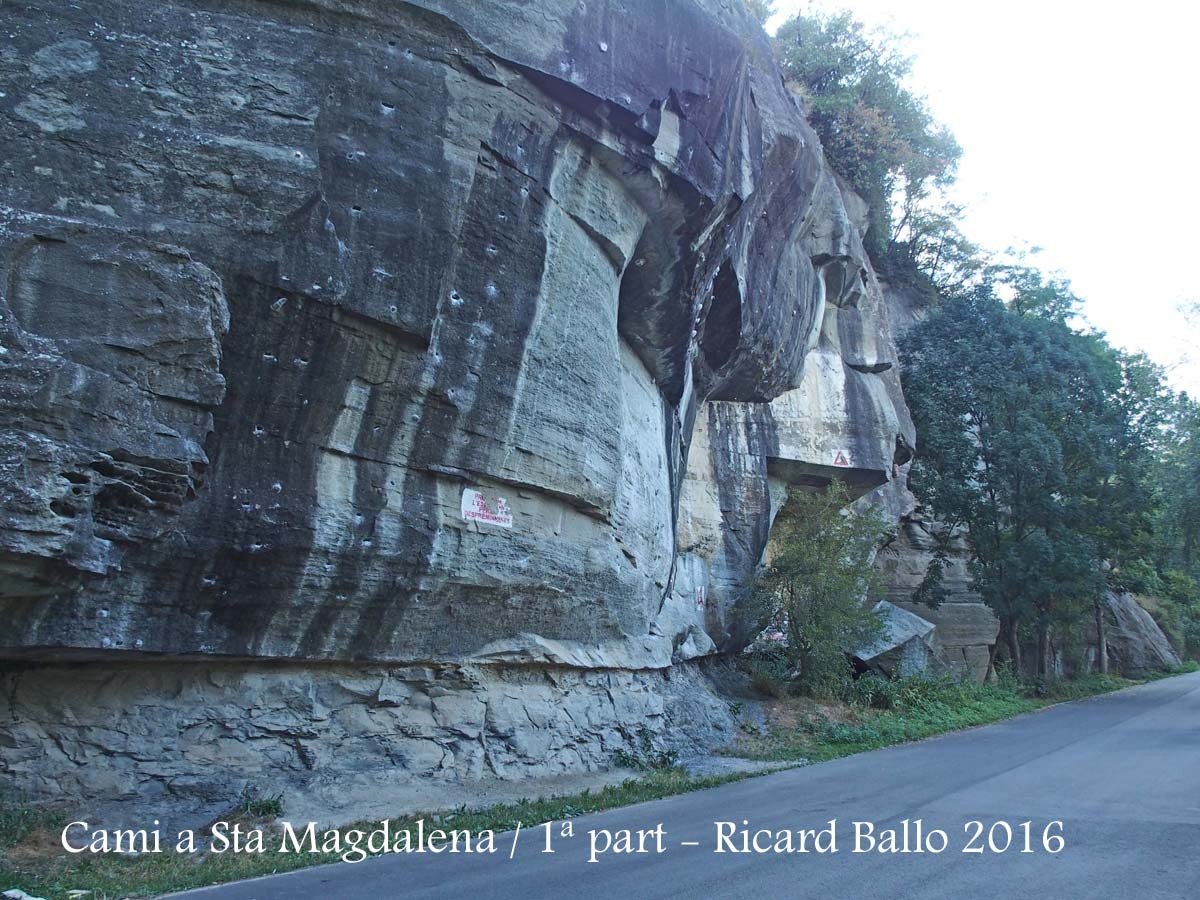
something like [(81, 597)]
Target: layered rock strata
[(421, 378)]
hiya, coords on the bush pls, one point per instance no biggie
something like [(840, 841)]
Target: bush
[(767, 670), (813, 588)]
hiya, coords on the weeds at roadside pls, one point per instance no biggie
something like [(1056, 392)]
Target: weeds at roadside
[(646, 758), (57, 876), (255, 807), (878, 712)]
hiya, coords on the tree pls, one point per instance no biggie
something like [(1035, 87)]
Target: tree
[(1121, 521), (1018, 442), (876, 133), (928, 250), (1178, 479), (816, 582), (761, 10)]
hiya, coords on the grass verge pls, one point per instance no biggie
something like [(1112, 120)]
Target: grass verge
[(881, 713), (32, 859)]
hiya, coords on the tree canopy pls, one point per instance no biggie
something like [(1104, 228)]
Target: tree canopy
[(1045, 442), (876, 132)]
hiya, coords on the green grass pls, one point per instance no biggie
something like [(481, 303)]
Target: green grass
[(882, 713), (1184, 668), (255, 807), (39, 868)]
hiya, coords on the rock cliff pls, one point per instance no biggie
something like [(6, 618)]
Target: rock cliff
[(421, 378), (966, 627)]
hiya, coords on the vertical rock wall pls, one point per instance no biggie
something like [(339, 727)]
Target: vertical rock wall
[(464, 346)]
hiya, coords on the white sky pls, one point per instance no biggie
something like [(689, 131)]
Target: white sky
[(1080, 135)]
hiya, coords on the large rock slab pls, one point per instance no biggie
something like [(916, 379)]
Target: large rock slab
[(1136, 645)]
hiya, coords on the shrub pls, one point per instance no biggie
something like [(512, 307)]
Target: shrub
[(645, 758), (813, 588)]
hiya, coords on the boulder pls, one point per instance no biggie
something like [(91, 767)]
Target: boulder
[(906, 646)]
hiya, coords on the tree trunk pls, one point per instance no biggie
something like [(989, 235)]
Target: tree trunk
[(990, 674), (1101, 640), (1043, 662), (1014, 646)]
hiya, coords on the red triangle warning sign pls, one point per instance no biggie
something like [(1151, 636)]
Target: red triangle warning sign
[(840, 459)]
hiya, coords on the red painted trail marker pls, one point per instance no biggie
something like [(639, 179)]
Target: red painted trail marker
[(840, 459)]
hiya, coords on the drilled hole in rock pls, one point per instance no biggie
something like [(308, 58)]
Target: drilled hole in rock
[(723, 324)]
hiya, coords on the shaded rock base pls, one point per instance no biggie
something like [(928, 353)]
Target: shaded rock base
[(183, 741)]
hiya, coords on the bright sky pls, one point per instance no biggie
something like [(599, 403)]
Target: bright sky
[(1079, 128)]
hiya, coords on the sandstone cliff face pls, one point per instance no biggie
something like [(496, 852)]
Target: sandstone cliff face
[(966, 627), (483, 338)]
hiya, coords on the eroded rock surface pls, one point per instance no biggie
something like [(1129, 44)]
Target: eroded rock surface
[(336, 742), (966, 626), (436, 335), (1136, 645)]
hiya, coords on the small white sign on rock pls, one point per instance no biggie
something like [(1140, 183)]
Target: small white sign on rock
[(477, 507)]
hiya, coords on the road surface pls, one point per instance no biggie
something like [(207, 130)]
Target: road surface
[(1121, 773)]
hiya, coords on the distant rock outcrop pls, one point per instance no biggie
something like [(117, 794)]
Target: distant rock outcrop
[(966, 627), (422, 377), (1136, 645)]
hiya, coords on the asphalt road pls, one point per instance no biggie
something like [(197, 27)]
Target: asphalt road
[(1120, 772)]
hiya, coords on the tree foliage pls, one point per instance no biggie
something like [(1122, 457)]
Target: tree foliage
[(815, 584), (1179, 482), (1066, 458), (1020, 443), (876, 132)]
